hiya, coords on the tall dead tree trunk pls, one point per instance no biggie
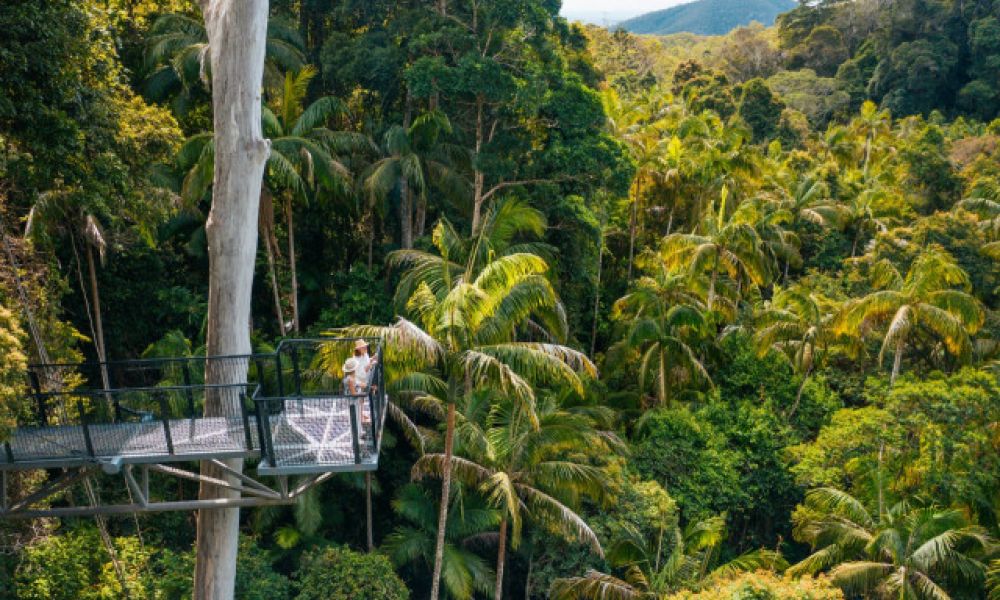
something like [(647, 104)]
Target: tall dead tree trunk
[(265, 225), (405, 193), (237, 31), (289, 220), (478, 177), (95, 294), (597, 289)]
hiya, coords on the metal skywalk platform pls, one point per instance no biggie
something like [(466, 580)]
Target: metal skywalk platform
[(292, 419)]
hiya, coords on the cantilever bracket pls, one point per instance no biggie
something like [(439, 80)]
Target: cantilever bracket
[(251, 492)]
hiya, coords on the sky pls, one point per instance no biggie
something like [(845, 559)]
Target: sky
[(604, 12)]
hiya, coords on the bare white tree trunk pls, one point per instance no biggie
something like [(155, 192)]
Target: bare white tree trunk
[(237, 31)]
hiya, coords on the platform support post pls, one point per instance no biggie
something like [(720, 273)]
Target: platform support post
[(3, 490), (354, 433), (8, 452)]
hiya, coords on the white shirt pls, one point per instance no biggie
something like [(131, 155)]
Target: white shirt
[(363, 373)]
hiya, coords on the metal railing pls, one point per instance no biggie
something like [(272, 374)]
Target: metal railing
[(165, 422), (312, 420), (295, 411)]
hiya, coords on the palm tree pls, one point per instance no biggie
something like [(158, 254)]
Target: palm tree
[(806, 199), (465, 572), (670, 340), (414, 156), (985, 204), (904, 553), (796, 324), (933, 298), (628, 122), (871, 124), (465, 333), (727, 242), (304, 155), (65, 211), (303, 161), (650, 573), (177, 57), (866, 214), (993, 580), (528, 467)]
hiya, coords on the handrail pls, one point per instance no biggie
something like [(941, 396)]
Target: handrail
[(153, 360), (151, 388), (303, 364), (167, 359)]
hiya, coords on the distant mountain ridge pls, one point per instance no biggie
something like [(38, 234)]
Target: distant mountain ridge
[(708, 17)]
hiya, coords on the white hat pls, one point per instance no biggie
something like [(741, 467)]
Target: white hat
[(350, 365), (359, 344)]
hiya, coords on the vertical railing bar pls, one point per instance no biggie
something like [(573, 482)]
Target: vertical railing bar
[(373, 417), (165, 418), (296, 372), (86, 427), (281, 378), (3, 491), (266, 443), (36, 385), (246, 420), (354, 432), (186, 372), (259, 372), (262, 441)]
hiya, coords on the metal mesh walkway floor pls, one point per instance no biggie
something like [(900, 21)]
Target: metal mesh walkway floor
[(149, 416), (193, 436), (312, 434), (292, 415)]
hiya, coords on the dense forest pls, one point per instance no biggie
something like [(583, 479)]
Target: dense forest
[(708, 317)]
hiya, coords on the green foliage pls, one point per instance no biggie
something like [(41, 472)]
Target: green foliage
[(745, 230), (12, 366), (912, 57), (929, 438), (356, 295), (75, 565), (170, 573), (765, 585), (340, 573), (822, 51), (702, 473), (920, 552), (760, 109), (412, 542), (819, 98)]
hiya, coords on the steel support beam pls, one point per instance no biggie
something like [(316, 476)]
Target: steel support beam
[(49, 489), (198, 477), (247, 480), (122, 509), (133, 485)]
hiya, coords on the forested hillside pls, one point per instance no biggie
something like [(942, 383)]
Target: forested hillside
[(707, 17), (665, 318)]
